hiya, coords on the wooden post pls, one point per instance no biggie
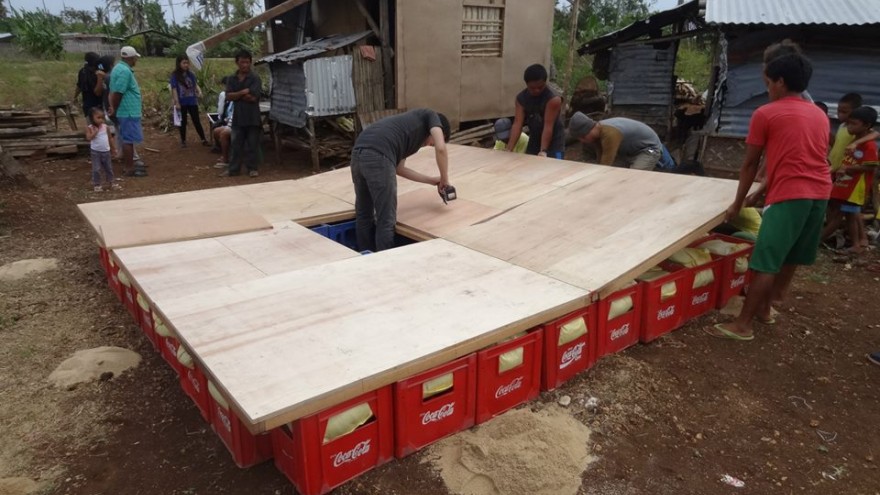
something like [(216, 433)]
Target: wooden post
[(387, 66), (313, 146), (572, 39)]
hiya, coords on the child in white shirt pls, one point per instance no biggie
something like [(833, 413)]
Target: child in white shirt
[(102, 148)]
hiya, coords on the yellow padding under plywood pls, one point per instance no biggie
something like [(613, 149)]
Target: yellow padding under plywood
[(510, 360), (572, 330), (723, 248), (437, 386), (667, 290), (347, 421)]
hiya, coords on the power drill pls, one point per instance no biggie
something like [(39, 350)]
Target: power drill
[(447, 194)]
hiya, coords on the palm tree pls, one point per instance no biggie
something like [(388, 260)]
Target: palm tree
[(101, 17)]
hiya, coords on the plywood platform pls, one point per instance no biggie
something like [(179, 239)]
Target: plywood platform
[(287, 322), (292, 344)]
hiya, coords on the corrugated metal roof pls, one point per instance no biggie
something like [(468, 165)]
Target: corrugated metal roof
[(793, 12), (315, 48), (6, 36), (329, 90)]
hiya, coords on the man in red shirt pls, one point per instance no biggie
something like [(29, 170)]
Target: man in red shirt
[(794, 134)]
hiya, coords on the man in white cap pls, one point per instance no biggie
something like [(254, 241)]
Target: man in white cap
[(126, 106), (627, 142), (502, 135)]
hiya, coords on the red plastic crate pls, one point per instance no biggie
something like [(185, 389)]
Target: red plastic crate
[(145, 317), (129, 295), (104, 258), (315, 467), (168, 345), (623, 330), (113, 279), (661, 316), (564, 358), (246, 448), (194, 383), (701, 300), (420, 421), (498, 391), (731, 283)]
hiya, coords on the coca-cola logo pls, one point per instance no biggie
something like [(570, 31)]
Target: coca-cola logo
[(620, 332), (433, 416), (738, 281), (700, 299), (129, 296), (358, 450), (171, 345), (194, 380), (572, 355), (666, 313), (224, 418), (510, 387)]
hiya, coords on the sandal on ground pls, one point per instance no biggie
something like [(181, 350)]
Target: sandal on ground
[(717, 330), (874, 358)]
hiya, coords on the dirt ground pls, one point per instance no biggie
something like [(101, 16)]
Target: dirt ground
[(796, 411)]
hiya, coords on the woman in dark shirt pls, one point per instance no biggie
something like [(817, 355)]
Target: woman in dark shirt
[(185, 93)]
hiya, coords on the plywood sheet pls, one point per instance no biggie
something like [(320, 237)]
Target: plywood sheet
[(177, 269), (424, 212), (498, 191), (292, 344), (193, 214), (604, 229), (139, 231)]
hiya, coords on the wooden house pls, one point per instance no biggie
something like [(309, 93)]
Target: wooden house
[(464, 58)]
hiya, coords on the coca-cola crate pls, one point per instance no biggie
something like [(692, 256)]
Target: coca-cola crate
[(569, 346), (168, 344), (434, 404), (129, 295), (700, 300), (145, 316), (508, 374), (246, 448), (113, 279), (104, 258), (663, 302), (735, 275), (194, 383), (619, 331), (316, 454)]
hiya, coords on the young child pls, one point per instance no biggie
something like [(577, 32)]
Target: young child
[(102, 149), (793, 133), (854, 178), (502, 135)]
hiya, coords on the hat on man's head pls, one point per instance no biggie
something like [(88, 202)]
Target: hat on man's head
[(128, 52), (580, 125), (502, 129)]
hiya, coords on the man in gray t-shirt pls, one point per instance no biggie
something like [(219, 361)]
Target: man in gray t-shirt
[(379, 155), (625, 141)]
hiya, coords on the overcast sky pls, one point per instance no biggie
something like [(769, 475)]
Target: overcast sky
[(173, 8)]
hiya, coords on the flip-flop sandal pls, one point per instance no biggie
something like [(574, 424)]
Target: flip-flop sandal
[(718, 331), (768, 321)]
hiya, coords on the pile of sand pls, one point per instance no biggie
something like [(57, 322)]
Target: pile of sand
[(91, 364), (19, 486), (520, 452), (20, 269)]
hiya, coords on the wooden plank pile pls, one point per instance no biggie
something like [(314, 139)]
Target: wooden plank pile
[(26, 134)]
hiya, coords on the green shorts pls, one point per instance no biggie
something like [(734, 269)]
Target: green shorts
[(789, 235)]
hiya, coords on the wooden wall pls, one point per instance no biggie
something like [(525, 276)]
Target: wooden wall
[(433, 72)]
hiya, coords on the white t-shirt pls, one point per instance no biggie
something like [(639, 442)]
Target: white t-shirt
[(101, 142)]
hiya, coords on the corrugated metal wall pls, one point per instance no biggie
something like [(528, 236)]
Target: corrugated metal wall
[(288, 94), (836, 70), (643, 84), (329, 90), (78, 45)]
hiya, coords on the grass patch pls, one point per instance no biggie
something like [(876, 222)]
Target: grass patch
[(32, 84)]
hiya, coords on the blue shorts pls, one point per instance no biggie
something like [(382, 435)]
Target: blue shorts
[(850, 208), (130, 130)]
